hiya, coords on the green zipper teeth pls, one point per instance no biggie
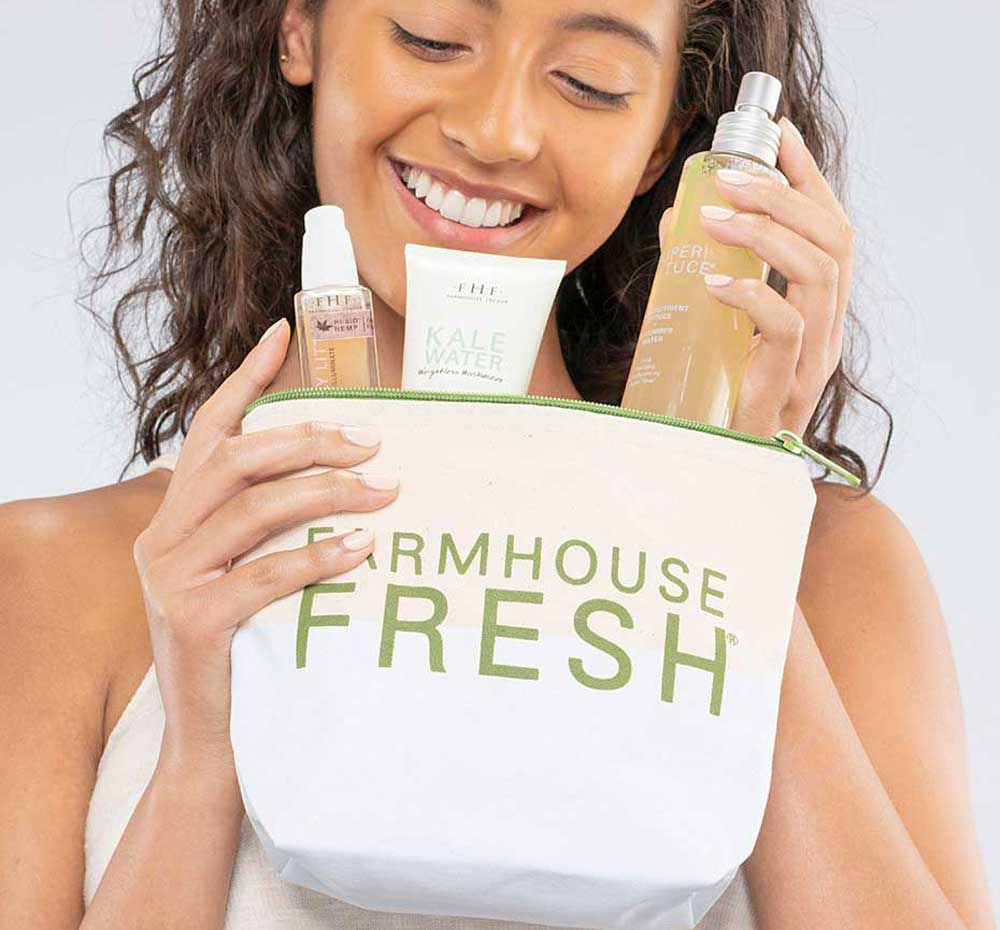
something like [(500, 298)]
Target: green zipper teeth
[(784, 440)]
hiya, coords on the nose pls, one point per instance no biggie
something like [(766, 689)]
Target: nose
[(493, 118)]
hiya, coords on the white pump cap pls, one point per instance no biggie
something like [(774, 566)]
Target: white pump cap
[(327, 250)]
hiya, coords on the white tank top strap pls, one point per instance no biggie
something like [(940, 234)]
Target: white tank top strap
[(167, 460)]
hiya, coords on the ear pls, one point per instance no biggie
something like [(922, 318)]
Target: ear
[(295, 40), (662, 154)]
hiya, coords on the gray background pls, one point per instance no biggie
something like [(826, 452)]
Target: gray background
[(924, 199)]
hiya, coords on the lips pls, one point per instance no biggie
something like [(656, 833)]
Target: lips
[(457, 235), (457, 203)]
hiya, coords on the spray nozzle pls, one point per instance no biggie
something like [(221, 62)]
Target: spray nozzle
[(760, 90), (749, 129)]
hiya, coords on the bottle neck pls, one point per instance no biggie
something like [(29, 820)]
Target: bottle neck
[(748, 132)]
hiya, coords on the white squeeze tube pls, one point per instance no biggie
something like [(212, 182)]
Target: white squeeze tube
[(474, 321)]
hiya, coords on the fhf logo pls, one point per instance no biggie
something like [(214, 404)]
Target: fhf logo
[(481, 289)]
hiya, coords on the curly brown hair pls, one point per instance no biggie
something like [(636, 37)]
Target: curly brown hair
[(205, 209)]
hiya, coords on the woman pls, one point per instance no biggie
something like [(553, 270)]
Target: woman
[(251, 113)]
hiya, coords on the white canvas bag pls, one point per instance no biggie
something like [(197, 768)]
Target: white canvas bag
[(550, 695)]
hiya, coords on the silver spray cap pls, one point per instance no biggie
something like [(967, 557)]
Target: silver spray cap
[(327, 250), (749, 129)]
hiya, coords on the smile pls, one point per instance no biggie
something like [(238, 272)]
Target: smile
[(458, 218), (456, 205)]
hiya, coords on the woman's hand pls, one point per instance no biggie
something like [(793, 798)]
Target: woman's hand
[(225, 496), (803, 232)]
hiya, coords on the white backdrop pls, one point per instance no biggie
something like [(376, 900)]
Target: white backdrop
[(924, 199)]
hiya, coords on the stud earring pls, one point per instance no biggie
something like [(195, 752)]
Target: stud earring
[(284, 58)]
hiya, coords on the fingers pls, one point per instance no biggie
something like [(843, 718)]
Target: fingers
[(813, 275), (796, 258), (265, 509), (665, 226), (756, 193), (774, 357), (796, 163), (236, 595), (221, 415), (237, 462)]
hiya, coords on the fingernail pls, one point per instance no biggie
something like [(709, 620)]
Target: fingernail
[(712, 212), (734, 177), (795, 129), (718, 280), (379, 482), (270, 331), (358, 539), (361, 435)]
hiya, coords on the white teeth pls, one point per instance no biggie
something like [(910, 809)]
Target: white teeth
[(424, 184), (436, 196), (454, 205), (475, 212), (493, 213)]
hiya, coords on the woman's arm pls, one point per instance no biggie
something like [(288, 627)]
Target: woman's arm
[(51, 709), (69, 601), (174, 863), (868, 823), (173, 867)]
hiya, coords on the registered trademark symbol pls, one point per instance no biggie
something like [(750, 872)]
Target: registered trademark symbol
[(732, 639)]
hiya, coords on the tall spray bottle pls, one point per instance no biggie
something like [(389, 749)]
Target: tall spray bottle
[(693, 349), (334, 317)]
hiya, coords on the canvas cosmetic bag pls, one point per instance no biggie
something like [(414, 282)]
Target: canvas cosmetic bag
[(550, 694)]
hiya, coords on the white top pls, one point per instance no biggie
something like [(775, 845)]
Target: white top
[(258, 899)]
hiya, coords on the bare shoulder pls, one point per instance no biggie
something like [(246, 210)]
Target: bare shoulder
[(82, 535), (844, 510), (866, 589), (69, 594), (860, 549), (71, 620), (868, 598)]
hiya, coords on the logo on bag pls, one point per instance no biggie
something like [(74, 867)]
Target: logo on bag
[(574, 562)]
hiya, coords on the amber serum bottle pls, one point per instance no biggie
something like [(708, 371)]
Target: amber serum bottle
[(334, 318), (693, 350)]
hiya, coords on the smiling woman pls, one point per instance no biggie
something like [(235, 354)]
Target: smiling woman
[(553, 130), (582, 115)]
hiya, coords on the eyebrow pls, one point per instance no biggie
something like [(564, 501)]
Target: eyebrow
[(606, 23)]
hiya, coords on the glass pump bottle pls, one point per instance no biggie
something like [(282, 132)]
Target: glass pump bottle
[(693, 350), (334, 317)]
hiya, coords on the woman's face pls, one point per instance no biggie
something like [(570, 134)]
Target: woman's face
[(552, 110)]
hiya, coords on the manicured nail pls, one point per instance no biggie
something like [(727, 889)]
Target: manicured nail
[(358, 539), (379, 482), (718, 280), (271, 330), (790, 125), (361, 435), (738, 178), (712, 212)]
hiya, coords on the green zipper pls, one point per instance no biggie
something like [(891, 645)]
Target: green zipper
[(784, 439)]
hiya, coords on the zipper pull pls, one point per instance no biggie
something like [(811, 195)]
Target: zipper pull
[(793, 443)]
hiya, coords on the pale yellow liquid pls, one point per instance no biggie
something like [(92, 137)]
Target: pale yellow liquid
[(693, 349), (336, 334)]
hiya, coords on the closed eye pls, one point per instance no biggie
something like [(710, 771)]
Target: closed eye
[(617, 101), (428, 45), (440, 50)]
